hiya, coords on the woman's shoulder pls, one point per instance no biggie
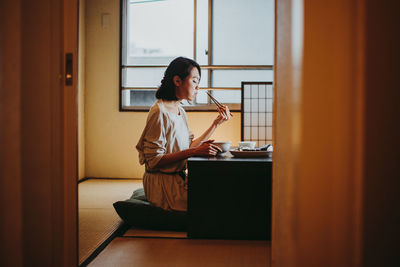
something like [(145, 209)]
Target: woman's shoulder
[(155, 108), (156, 111)]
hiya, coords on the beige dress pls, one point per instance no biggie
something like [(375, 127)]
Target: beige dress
[(165, 132)]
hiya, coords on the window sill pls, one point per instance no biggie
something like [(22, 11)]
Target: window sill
[(196, 108)]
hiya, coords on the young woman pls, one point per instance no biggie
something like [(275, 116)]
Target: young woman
[(166, 141)]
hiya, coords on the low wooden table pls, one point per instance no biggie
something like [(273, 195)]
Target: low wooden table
[(229, 198)]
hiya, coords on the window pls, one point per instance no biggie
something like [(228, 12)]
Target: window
[(232, 40), (257, 112)]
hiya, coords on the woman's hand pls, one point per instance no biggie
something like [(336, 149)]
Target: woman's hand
[(224, 115), (206, 148)]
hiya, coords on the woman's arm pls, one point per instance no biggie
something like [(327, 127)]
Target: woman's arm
[(223, 116), (199, 146), (204, 149), (196, 142)]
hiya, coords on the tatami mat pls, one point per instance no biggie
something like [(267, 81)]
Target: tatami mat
[(97, 217), (154, 233)]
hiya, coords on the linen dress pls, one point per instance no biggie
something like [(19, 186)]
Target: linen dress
[(165, 132)]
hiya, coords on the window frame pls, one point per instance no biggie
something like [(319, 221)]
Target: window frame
[(210, 106)]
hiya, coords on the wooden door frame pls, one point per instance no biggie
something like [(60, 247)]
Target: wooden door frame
[(70, 126), (38, 134), (10, 135), (319, 133)]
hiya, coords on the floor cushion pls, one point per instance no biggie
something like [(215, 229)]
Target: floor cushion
[(138, 212)]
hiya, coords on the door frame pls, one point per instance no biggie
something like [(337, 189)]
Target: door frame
[(38, 133), (319, 133)]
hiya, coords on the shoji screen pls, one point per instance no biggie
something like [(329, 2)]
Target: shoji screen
[(257, 103)]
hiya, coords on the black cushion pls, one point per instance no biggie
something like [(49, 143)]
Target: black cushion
[(138, 212)]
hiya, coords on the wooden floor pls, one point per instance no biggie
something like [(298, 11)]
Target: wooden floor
[(148, 252)]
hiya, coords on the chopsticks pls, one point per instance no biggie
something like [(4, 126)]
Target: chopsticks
[(219, 105)]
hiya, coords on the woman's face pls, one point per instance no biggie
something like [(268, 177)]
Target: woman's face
[(187, 89)]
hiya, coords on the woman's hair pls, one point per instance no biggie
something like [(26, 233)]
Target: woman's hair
[(180, 66)]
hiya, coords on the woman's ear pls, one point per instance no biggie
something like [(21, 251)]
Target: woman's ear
[(177, 80)]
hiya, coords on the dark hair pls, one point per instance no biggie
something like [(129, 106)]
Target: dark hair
[(180, 66)]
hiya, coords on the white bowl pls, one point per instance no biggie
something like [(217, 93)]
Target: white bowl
[(247, 144), (224, 146)]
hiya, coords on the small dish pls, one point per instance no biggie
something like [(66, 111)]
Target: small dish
[(224, 146)]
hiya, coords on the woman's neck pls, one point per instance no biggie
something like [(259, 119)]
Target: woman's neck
[(172, 105)]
